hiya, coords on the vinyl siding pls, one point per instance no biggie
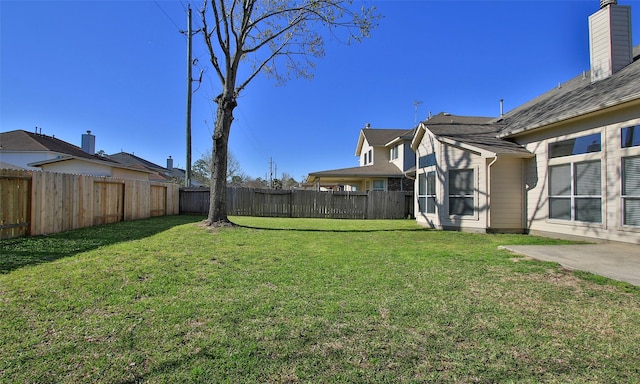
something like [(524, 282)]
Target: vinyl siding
[(536, 178), (506, 194)]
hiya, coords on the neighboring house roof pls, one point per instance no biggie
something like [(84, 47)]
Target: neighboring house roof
[(577, 97), (379, 170), (381, 137), (131, 159), (23, 141), (160, 173), (4, 165), (469, 132)]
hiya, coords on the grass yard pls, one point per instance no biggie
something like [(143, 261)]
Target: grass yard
[(292, 300)]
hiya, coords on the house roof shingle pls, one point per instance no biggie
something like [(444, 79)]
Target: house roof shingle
[(578, 97), (474, 131), (375, 170), (21, 140), (380, 137)]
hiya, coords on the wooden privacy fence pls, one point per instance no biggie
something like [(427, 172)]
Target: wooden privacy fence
[(36, 203), (305, 204)]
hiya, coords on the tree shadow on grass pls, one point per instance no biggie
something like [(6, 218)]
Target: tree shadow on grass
[(25, 251), (346, 230)]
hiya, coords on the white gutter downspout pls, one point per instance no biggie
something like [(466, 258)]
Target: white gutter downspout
[(487, 214)]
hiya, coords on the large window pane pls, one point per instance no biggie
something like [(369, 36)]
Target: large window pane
[(632, 211), (461, 192), (422, 201), (589, 209), (462, 206), (631, 190), (431, 205), (461, 182), (588, 179), (422, 184), (560, 180), (560, 208), (431, 192), (630, 136), (579, 145), (631, 176)]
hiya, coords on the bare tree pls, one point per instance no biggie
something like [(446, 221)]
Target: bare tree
[(201, 171), (279, 38)]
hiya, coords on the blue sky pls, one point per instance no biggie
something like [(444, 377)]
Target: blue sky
[(118, 68)]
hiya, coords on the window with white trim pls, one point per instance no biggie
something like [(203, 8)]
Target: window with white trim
[(579, 145), (427, 192), (422, 192), (378, 185), (631, 191), (431, 192), (393, 153), (461, 192), (575, 191)]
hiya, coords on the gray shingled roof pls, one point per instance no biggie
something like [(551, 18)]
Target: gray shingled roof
[(375, 170), (475, 131), (131, 159), (21, 140), (378, 137), (575, 98)]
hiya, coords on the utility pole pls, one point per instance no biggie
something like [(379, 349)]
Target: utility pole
[(187, 174), (271, 172)]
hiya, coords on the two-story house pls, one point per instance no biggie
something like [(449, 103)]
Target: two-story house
[(385, 160), (565, 164)]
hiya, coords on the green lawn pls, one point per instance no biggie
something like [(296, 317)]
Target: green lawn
[(293, 300)]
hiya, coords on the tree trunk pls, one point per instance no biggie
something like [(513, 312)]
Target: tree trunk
[(218, 200)]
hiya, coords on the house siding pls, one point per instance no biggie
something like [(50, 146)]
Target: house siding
[(21, 159), (610, 156), (506, 194), (78, 167), (452, 158)]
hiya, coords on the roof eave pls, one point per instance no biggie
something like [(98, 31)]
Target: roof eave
[(67, 158), (604, 108)]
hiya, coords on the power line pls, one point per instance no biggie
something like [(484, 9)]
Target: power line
[(167, 15)]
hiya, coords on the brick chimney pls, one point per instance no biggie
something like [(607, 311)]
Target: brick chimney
[(610, 43)]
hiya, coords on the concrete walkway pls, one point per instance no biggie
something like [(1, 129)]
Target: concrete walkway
[(617, 261)]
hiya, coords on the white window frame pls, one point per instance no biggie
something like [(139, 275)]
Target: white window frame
[(471, 195), (422, 192), (626, 197), (378, 188), (394, 152), (573, 196)]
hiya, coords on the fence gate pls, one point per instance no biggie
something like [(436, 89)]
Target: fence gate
[(158, 200), (108, 201), (15, 203)]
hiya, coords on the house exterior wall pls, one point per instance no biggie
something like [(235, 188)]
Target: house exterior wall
[(21, 159), (399, 161), (408, 157), (449, 158), (364, 154), (506, 194), (86, 168), (78, 167), (610, 156), (129, 174)]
